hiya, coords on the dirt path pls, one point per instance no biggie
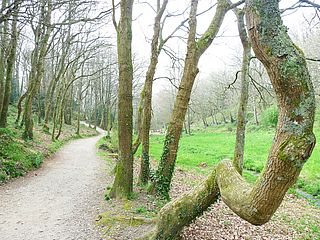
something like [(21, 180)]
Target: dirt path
[(58, 201)]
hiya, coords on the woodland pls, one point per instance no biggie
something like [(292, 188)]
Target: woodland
[(182, 132)]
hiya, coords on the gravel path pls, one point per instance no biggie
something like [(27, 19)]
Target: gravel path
[(58, 201)]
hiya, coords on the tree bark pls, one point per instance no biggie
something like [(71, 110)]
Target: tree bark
[(3, 56), (37, 64), (293, 142), (147, 105), (195, 49), (10, 67), (19, 106), (123, 183), (243, 103)]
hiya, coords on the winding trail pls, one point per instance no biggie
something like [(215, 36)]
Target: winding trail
[(58, 201)]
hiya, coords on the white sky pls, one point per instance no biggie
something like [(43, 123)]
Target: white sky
[(221, 54)]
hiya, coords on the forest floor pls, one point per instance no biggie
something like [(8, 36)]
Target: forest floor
[(124, 220), (60, 200)]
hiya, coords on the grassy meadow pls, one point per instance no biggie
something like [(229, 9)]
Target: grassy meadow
[(213, 144)]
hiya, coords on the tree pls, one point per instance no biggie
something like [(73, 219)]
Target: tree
[(42, 33), (123, 183), (9, 65), (242, 111), (147, 94), (195, 49), (3, 56), (292, 146)]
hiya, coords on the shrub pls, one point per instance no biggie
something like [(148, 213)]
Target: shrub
[(269, 117)]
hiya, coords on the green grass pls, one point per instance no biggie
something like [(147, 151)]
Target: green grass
[(218, 143)]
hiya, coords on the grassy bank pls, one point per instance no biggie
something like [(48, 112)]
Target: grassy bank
[(213, 144), (17, 157)]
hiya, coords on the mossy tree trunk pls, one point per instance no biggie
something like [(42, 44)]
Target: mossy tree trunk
[(147, 104), (293, 142), (244, 94), (12, 47), (42, 34), (3, 55), (195, 49), (123, 183)]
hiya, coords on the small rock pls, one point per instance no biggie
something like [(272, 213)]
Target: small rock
[(203, 165)]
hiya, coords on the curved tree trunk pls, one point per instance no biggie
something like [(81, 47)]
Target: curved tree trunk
[(292, 146), (242, 110), (19, 106)]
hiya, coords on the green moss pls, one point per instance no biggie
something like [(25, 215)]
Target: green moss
[(110, 219)]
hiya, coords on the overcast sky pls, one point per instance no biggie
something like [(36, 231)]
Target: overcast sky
[(225, 49)]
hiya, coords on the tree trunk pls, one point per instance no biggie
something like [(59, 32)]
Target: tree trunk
[(292, 145), (3, 56), (137, 142), (37, 65), (15, 92), (55, 113), (162, 181), (243, 103), (9, 71), (123, 183), (39, 105), (19, 106), (147, 104), (255, 114), (189, 121)]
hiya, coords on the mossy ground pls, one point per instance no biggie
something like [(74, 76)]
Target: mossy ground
[(17, 156)]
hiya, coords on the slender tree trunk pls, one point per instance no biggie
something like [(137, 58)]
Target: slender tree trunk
[(147, 104), (292, 146), (79, 107), (162, 181), (15, 83), (37, 68), (10, 67), (242, 110), (255, 114), (189, 121), (64, 98), (137, 142), (19, 106), (3, 56), (123, 183), (57, 106), (39, 105)]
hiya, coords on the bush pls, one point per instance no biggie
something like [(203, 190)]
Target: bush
[(269, 117)]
